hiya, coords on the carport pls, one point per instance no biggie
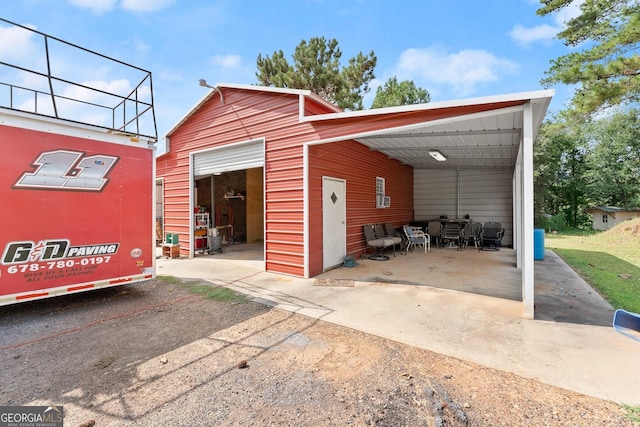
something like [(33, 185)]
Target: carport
[(460, 162)]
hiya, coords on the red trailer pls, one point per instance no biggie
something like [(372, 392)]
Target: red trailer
[(77, 197)]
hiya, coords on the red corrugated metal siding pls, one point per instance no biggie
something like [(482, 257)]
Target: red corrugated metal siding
[(176, 199), (287, 173), (283, 185), (312, 107), (355, 163), (288, 205), (286, 236), (244, 116), (284, 202)]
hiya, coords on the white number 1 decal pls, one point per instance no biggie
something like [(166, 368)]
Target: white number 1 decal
[(68, 170)]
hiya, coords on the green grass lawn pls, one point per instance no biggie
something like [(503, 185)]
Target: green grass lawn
[(608, 261), (206, 290)]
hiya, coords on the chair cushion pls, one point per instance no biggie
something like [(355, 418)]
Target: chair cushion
[(379, 243)]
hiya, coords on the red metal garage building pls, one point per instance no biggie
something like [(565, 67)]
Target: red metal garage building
[(311, 173)]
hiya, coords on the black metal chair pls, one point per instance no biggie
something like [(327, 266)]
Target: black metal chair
[(492, 233)]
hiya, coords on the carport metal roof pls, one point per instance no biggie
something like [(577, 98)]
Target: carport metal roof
[(484, 140)]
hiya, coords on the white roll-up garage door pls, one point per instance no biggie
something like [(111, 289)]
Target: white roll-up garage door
[(234, 157)]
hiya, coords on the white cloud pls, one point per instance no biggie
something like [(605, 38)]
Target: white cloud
[(22, 48), (96, 6), (145, 5), (226, 61), (524, 35), (462, 73), (545, 32), (229, 68), (102, 6), (117, 86), (15, 43)]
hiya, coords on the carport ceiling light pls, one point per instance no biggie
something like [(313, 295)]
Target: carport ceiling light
[(437, 155)]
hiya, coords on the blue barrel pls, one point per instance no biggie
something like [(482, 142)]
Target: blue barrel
[(538, 243)]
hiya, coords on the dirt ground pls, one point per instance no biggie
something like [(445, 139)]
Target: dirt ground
[(153, 354)]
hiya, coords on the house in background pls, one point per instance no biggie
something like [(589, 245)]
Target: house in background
[(606, 217), (287, 168)]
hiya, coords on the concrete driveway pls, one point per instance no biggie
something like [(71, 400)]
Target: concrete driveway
[(464, 304)]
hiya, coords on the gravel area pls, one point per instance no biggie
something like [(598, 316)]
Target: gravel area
[(153, 354)]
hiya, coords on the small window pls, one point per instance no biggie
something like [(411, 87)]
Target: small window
[(605, 218), (379, 192), (379, 186)]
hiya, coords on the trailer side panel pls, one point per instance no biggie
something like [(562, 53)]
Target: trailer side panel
[(76, 212)]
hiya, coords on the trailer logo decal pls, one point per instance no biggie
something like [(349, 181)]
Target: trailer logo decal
[(52, 250), (68, 170)]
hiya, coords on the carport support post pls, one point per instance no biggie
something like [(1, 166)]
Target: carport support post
[(526, 238)]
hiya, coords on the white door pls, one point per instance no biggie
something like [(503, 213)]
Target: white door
[(334, 222)]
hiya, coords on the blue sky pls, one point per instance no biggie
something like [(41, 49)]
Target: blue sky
[(454, 49)]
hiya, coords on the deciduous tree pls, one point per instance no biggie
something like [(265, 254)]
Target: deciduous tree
[(613, 178), (559, 169)]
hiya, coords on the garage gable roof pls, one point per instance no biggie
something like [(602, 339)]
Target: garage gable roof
[(219, 87)]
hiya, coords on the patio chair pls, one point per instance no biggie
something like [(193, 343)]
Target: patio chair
[(417, 237), (434, 228), (472, 232), (492, 233), (380, 233), (378, 244), (452, 234), (393, 233)]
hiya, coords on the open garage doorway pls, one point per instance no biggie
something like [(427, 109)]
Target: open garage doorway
[(229, 212)]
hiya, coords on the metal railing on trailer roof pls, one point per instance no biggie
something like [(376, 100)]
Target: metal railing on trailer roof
[(75, 84)]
